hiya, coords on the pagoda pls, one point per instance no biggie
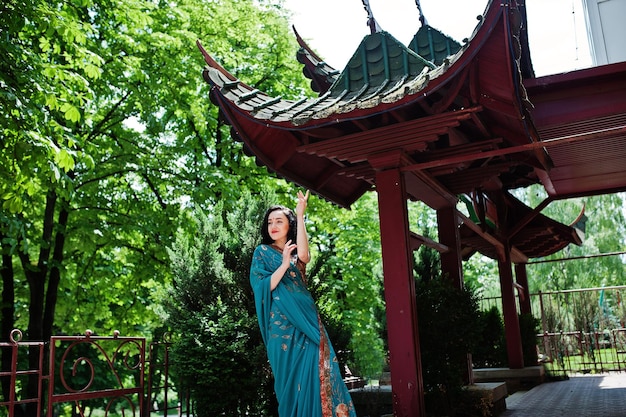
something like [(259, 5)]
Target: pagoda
[(445, 123)]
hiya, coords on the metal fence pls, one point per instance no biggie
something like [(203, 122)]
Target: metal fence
[(582, 330), (75, 375)]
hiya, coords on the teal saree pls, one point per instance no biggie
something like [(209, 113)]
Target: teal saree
[(308, 382)]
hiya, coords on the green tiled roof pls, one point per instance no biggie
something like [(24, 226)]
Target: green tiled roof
[(379, 62), (433, 45)]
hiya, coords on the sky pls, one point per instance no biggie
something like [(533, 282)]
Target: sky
[(335, 28)]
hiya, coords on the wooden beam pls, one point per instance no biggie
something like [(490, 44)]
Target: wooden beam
[(594, 135), (421, 186), (515, 254), (451, 262), (419, 240), (414, 131)]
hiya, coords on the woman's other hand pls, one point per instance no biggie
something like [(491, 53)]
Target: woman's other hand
[(302, 202)]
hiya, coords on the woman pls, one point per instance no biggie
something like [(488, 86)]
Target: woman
[(306, 372)]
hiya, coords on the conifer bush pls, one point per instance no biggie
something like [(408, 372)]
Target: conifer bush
[(449, 329), (491, 351), (218, 353)]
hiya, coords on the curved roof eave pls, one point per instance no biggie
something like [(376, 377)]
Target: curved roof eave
[(272, 127)]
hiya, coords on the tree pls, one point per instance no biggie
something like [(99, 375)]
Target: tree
[(604, 231), (106, 134)]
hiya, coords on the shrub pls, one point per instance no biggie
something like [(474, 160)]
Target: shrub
[(529, 327), (448, 331), (490, 351), (218, 353)]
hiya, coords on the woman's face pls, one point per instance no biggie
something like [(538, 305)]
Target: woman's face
[(278, 226)]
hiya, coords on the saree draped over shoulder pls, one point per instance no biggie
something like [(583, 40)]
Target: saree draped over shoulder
[(308, 382)]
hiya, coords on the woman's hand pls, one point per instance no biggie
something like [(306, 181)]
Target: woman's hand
[(302, 201), (288, 252), (278, 275)]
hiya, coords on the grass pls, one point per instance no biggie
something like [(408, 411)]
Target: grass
[(593, 361)]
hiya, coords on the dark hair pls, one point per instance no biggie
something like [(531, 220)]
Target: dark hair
[(291, 218)]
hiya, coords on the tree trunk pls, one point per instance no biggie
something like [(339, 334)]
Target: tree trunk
[(36, 277), (8, 312), (55, 274)]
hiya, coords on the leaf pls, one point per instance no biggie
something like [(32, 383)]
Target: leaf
[(51, 101), (44, 44), (92, 71), (12, 203), (65, 160), (56, 175), (72, 113)]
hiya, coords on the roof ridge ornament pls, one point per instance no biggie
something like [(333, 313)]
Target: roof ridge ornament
[(371, 21), (423, 20)]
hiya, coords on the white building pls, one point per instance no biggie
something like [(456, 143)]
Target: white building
[(606, 30)]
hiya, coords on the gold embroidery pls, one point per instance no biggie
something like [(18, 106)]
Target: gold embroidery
[(342, 410)]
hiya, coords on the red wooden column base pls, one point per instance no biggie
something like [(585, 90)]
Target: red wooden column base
[(402, 330)]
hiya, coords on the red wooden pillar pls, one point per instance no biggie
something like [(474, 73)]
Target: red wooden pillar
[(509, 308), (402, 333), (522, 279), (448, 227)]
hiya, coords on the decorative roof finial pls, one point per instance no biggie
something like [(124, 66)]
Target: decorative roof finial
[(371, 22), (422, 17)]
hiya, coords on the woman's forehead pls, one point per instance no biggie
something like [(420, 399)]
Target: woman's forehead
[(277, 214)]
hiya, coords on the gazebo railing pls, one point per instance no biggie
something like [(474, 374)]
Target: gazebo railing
[(582, 330)]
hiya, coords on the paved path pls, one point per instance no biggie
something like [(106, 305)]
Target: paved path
[(580, 396)]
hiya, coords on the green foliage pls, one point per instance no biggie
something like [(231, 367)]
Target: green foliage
[(349, 287), (448, 331), (448, 322), (481, 273), (490, 351), (218, 352), (604, 231), (106, 135), (427, 263), (529, 328)]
